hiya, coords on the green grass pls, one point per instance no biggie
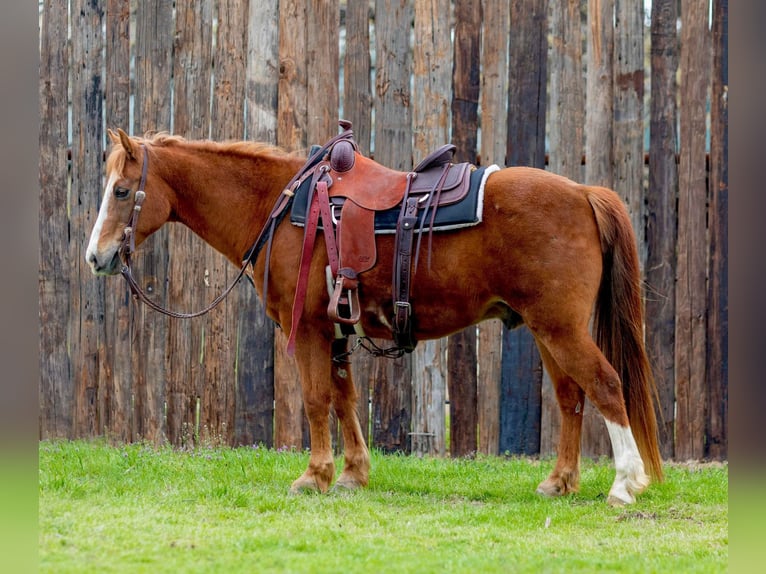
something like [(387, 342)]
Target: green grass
[(141, 509)]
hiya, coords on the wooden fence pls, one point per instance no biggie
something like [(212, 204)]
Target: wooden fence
[(502, 79)]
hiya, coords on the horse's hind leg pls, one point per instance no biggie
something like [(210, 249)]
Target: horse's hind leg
[(579, 357), (565, 477), (356, 469)]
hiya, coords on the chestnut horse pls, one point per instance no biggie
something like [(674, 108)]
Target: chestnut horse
[(550, 253)]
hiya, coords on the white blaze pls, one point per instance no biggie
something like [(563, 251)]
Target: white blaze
[(102, 213)]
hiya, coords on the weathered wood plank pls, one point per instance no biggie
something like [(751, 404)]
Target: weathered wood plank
[(292, 105), (228, 123), (357, 95), (718, 298), (87, 302), (116, 362), (151, 112), (599, 116), (599, 153), (392, 404), (461, 352), (255, 348), (430, 127), (323, 69), (192, 63), (392, 390), (629, 114), (566, 111), (262, 76), (520, 394), (393, 112), (357, 108), (691, 290), (494, 98), (521, 378), (292, 122), (662, 197), (56, 398)]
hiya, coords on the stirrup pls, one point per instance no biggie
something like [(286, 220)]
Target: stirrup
[(345, 308)]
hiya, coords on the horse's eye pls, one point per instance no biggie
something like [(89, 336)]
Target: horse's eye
[(121, 192)]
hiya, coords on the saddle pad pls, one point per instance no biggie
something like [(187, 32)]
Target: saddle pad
[(464, 213)]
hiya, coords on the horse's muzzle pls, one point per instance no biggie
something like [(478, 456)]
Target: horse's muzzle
[(109, 266)]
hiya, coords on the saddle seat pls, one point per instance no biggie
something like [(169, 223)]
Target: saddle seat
[(355, 188)]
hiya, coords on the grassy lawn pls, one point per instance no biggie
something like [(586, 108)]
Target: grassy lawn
[(141, 509)]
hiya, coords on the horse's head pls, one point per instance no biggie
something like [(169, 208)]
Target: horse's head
[(124, 167)]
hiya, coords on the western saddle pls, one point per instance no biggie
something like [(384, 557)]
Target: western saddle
[(346, 191)]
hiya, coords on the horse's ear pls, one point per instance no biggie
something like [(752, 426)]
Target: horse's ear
[(113, 137), (127, 143)]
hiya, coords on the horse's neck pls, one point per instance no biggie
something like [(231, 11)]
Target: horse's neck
[(226, 198)]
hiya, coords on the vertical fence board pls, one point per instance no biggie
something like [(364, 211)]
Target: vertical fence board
[(357, 108), (691, 292), (323, 61), (116, 364), (255, 341), (661, 231), (461, 351), (392, 406), (56, 398), (430, 127), (228, 123), (494, 98), (599, 153), (151, 111), (566, 132), (323, 58), (292, 106), (521, 370), (292, 113), (393, 114), (599, 115), (629, 113), (192, 65), (87, 303), (357, 95), (262, 70), (718, 293)]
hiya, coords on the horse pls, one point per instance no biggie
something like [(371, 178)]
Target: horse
[(557, 256)]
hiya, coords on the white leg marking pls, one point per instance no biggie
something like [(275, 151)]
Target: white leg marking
[(631, 478), (102, 213)]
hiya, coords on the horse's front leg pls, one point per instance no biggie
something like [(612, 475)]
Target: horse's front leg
[(312, 355), (356, 470)]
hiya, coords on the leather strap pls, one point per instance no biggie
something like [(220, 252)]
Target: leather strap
[(402, 324), (301, 286), (323, 198)]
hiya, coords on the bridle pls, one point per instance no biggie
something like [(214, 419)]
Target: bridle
[(128, 247), (265, 237)]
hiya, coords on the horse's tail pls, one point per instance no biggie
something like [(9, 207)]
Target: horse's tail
[(619, 322)]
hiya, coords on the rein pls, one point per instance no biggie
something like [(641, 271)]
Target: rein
[(128, 247), (265, 237)]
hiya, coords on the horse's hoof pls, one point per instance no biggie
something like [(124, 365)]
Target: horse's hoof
[(304, 486), (548, 490), (618, 502), (554, 487), (346, 485)]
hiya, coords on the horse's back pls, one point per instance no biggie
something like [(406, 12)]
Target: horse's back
[(538, 245)]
